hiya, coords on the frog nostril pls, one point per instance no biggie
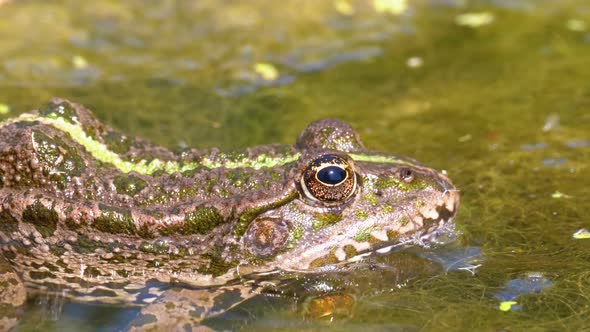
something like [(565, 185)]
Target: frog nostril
[(446, 185)]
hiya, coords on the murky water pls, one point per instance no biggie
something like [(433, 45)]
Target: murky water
[(495, 92)]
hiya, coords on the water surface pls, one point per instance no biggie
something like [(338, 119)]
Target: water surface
[(494, 92)]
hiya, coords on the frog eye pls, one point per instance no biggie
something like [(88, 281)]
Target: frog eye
[(328, 178)]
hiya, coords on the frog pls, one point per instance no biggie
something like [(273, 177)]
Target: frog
[(101, 216)]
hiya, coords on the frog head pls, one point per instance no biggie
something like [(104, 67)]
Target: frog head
[(349, 202)]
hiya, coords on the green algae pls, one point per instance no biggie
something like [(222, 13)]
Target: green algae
[(44, 219), (387, 208), (295, 234), (85, 245), (240, 177), (145, 232), (393, 181), (322, 220), (371, 198), (323, 261), (403, 220), (202, 220), (62, 110), (419, 203), (350, 251), (8, 223), (361, 214), (118, 142), (57, 250), (115, 221), (215, 265), (129, 185), (248, 215), (62, 161), (157, 247), (364, 234), (73, 225)]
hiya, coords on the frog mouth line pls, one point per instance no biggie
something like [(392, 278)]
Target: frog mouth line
[(440, 217)]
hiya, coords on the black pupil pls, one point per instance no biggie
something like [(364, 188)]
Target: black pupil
[(331, 175)]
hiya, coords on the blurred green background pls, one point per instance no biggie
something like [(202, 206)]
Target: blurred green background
[(496, 92)]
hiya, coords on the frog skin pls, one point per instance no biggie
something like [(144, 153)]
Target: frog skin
[(96, 215)]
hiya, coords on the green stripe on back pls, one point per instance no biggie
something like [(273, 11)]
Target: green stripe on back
[(102, 153)]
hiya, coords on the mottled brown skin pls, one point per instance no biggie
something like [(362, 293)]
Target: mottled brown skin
[(72, 222), (13, 295)]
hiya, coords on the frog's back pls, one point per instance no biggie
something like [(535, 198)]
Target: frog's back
[(85, 206)]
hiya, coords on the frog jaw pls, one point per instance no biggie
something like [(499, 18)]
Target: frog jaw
[(380, 232)]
